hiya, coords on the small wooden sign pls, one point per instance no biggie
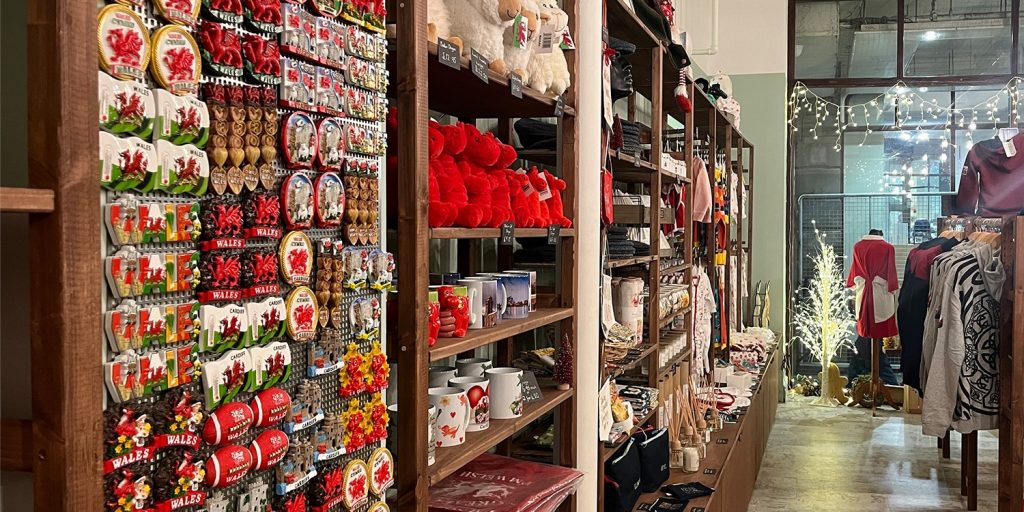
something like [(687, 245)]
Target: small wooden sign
[(448, 54), (479, 66)]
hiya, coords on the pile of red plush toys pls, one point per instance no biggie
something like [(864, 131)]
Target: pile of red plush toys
[(472, 186)]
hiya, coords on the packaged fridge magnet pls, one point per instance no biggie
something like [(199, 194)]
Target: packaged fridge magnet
[(152, 274), (228, 422), (262, 59), (356, 483), (330, 43), (353, 419), (296, 470), (331, 150), (223, 328), (268, 449), (364, 317), (176, 60), (263, 15), (179, 480), (125, 106), (326, 100), (382, 471), (228, 465), (128, 436), (153, 221), (152, 376), (177, 417), (352, 377), (326, 491), (184, 169), (297, 201), (301, 307), (181, 119), (222, 218), (299, 141), (122, 220), (299, 32), (296, 257), (327, 442), (382, 268), (224, 378), (121, 376), (122, 326), (221, 48), (328, 200), (220, 275), (259, 273), (126, 491), (128, 163), (272, 364), (123, 42), (298, 84), (262, 215), (325, 355), (228, 11), (122, 272), (266, 319), (356, 261), (306, 407), (376, 425), (270, 406), (378, 371), (179, 12)]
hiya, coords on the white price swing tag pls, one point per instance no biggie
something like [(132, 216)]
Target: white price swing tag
[(1006, 136), (545, 38)]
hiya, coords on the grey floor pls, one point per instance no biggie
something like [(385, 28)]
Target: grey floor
[(837, 460)]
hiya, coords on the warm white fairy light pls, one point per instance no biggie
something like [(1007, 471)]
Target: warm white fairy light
[(902, 102)]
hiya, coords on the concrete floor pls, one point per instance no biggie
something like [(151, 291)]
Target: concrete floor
[(838, 460)]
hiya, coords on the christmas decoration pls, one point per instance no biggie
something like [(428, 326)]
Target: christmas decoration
[(563, 366)]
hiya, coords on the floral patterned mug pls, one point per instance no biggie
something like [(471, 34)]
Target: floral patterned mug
[(453, 415)]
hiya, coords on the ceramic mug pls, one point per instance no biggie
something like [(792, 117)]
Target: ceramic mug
[(533, 286), (438, 376), (393, 431), (629, 304), (506, 392), (476, 302), (453, 415), (478, 393), (493, 299), (472, 366), (517, 289)]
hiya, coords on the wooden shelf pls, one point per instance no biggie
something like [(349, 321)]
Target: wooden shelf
[(460, 93), (624, 24), (618, 370), (25, 200), (476, 338), (628, 262), (449, 460), (667, 175), (463, 233), (675, 268), (664, 322), (685, 356), (608, 451)]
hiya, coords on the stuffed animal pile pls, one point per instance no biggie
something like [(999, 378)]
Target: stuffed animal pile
[(471, 184), (506, 33)]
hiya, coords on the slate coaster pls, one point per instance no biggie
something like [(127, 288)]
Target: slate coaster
[(448, 54)]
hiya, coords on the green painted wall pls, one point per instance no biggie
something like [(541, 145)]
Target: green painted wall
[(762, 98)]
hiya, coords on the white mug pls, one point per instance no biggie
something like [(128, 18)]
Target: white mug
[(473, 366), (492, 298), (517, 291), (506, 392), (431, 422), (438, 376), (478, 393), (475, 289), (453, 415), (533, 286)]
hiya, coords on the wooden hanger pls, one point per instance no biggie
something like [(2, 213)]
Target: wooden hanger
[(952, 234)]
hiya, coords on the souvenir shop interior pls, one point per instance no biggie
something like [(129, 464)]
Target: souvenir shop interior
[(511, 255)]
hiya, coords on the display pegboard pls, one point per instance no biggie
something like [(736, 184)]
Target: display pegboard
[(257, 488)]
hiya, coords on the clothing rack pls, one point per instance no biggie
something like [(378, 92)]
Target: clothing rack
[(1011, 365)]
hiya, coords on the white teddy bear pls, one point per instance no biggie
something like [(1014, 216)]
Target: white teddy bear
[(549, 72), (438, 25), (481, 24), (516, 59)]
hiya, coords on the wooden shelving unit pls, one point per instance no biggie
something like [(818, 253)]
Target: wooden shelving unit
[(25, 200), (422, 85)]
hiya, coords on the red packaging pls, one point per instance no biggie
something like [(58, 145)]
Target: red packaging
[(502, 484)]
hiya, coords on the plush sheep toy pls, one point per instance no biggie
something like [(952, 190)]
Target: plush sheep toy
[(516, 59), (481, 24), (438, 25), (549, 72)]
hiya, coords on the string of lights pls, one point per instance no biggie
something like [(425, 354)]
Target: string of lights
[(911, 113)]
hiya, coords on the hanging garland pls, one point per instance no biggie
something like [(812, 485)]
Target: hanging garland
[(907, 105)]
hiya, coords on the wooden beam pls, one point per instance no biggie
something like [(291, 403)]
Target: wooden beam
[(16, 445), (411, 477), (63, 148), (1011, 373), (25, 200)]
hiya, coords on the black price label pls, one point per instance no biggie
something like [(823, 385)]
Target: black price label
[(531, 390), (710, 471), (697, 509), (722, 441), (515, 83), (479, 66), (508, 233), (448, 54), (560, 106), (554, 233)]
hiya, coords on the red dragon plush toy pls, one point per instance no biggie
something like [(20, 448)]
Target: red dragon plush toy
[(555, 207), (482, 152)]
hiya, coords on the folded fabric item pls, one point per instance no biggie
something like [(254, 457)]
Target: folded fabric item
[(536, 134), (535, 255), (688, 491)]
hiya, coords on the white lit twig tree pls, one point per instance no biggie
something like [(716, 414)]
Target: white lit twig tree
[(822, 321)]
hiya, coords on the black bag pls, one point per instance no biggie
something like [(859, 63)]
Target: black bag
[(622, 479), (653, 448)]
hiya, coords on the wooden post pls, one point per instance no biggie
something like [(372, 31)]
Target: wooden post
[(63, 148), (654, 216), (1011, 374), (411, 346)]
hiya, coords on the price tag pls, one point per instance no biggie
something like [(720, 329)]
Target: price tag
[(554, 233), (479, 66), (448, 54), (531, 390), (545, 39), (515, 83), (710, 471), (560, 107), (508, 233), (722, 440)]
